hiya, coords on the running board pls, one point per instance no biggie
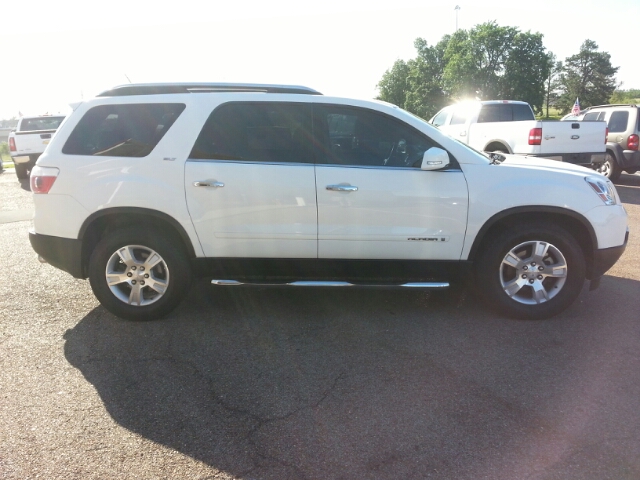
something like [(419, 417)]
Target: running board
[(426, 285)]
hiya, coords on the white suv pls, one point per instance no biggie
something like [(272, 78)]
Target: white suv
[(147, 185)]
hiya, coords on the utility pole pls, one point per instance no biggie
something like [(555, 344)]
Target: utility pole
[(457, 9)]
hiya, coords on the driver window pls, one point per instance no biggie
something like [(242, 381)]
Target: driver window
[(360, 137)]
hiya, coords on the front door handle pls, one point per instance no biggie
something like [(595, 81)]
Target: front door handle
[(342, 188), (208, 184)]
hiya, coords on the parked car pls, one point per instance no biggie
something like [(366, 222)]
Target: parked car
[(29, 139), (145, 185), (508, 126), (623, 139)]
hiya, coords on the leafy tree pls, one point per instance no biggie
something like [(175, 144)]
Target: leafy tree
[(525, 69), (552, 83), (425, 95), (487, 62), (393, 86), (475, 61), (589, 76), (625, 96)]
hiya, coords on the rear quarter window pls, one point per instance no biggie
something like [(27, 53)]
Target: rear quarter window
[(131, 130), (618, 122)]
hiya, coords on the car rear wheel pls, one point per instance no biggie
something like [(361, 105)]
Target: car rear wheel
[(532, 271), (610, 168), (22, 171), (138, 274)]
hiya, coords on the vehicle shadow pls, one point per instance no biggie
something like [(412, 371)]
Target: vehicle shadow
[(628, 187), (269, 383)]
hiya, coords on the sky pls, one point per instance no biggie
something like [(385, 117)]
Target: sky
[(56, 53)]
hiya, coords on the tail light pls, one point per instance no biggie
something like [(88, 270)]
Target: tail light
[(535, 136), (606, 135), (632, 142), (43, 178), (12, 144)]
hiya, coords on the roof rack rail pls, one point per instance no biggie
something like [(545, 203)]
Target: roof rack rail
[(159, 88), (613, 105)]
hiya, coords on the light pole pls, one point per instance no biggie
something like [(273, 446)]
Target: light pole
[(456, 9)]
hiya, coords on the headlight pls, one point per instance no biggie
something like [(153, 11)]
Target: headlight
[(604, 189)]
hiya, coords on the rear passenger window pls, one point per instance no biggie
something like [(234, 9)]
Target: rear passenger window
[(131, 130), (618, 122), (260, 132), (521, 112), (459, 116), (440, 118), (591, 117)]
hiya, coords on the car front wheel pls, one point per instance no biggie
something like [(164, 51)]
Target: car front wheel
[(532, 271), (138, 274)]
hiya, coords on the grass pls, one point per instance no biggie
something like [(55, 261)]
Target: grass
[(6, 161)]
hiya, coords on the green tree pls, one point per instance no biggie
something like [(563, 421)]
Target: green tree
[(552, 83), (425, 95), (526, 67), (589, 76), (393, 86), (625, 96), (475, 61), (487, 62)]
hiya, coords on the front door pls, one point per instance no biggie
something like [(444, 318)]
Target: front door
[(374, 201)]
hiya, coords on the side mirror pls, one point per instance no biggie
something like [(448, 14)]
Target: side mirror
[(435, 159)]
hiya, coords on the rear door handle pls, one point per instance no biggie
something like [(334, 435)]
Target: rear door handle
[(342, 188), (208, 184)]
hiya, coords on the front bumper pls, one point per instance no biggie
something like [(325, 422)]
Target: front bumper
[(62, 253), (604, 259)]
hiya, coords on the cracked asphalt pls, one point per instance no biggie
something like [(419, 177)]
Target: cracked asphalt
[(276, 383)]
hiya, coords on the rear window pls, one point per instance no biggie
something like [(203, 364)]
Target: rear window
[(40, 123), (131, 130), (505, 112)]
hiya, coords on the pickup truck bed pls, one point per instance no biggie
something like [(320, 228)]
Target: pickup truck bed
[(511, 127)]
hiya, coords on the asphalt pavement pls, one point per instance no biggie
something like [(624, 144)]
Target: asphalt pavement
[(277, 383)]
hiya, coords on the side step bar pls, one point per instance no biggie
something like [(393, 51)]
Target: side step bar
[(426, 285)]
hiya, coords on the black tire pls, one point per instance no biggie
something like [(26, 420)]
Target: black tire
[(141, 289), (511, 287), (22, 171), (610, 168)]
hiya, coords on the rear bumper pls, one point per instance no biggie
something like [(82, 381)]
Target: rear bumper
[(631, 159), (62, 253), (587, 159), (20, 159)]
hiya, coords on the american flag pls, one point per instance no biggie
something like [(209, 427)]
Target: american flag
[(576, 108)]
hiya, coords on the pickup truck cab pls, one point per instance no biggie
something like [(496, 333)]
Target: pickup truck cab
[(28, 141), (508, 126)]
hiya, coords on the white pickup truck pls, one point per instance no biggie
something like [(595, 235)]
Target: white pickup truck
[(28, 141), (508, 126)]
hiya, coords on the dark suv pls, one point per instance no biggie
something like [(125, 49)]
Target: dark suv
[(623, 122)]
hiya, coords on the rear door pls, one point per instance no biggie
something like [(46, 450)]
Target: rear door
[(250, 183)]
